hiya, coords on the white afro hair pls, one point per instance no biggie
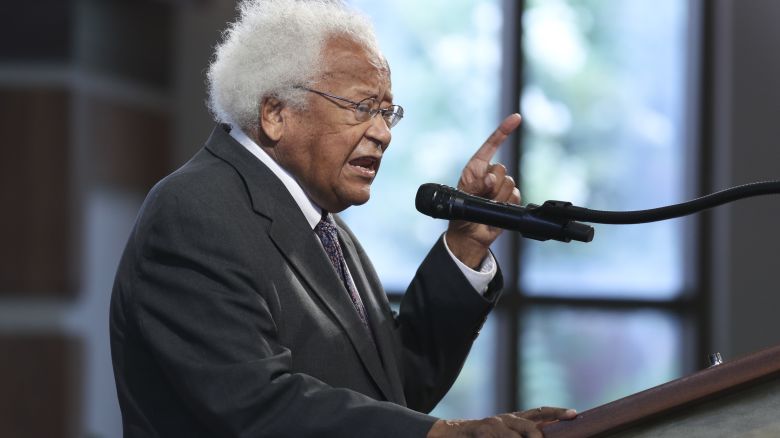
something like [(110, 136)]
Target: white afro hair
[(274, 46)]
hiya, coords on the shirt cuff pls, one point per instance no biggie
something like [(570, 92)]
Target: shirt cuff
[(480, 279)]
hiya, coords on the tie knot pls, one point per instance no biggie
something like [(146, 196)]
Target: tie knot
[(325, 227)]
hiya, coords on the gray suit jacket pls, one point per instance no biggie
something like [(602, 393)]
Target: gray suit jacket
[(227, 318)]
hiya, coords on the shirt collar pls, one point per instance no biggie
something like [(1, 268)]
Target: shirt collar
[(310, 210)]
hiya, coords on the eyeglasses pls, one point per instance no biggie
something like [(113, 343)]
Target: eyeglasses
[(367, 108)]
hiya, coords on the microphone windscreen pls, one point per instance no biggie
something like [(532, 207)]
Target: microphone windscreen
[(425, 200)]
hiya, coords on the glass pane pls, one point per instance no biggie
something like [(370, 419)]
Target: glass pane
[(445, 58), (473, 395), (580, 358), (605, 119)]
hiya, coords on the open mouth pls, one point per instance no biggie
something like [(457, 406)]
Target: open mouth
[(366, 166)]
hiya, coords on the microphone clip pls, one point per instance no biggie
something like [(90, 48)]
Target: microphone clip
[(566, 230)]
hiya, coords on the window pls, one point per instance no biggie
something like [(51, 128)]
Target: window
[(446, 61), (605, 106), (606, 118)]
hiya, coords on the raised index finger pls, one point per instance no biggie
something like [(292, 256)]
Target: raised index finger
[(489, 148)]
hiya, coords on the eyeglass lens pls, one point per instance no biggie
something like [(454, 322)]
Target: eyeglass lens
[(367, 108)]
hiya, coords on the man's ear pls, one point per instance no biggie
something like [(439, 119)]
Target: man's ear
[(272, 118)]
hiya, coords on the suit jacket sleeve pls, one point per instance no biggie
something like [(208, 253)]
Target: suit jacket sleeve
[(440, 317), (214, 338)]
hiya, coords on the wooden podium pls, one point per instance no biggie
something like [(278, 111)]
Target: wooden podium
[(739, 398)]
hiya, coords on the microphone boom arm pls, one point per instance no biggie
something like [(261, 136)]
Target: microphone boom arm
[(557, 219), (565, 210)]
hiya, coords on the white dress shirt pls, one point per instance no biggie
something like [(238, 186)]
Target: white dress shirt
[(313, 213)]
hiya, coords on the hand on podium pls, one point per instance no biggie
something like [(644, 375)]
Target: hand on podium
[(525, 424)]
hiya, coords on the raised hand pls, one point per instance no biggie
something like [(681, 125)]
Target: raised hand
[(469, 242)]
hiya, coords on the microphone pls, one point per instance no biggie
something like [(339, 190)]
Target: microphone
[(443, 202)]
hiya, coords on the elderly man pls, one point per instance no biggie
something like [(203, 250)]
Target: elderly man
[(244, 307)]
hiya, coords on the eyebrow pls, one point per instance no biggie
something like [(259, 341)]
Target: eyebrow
[(370, 93)]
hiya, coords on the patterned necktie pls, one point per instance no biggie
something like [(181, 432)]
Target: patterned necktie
[(326, 231)]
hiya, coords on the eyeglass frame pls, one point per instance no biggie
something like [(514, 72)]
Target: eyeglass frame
[(393, 110)]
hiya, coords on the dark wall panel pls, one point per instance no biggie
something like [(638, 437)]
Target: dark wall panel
[(36, 31), (131, 40), (35, 224), (128, 147), (39, 381)]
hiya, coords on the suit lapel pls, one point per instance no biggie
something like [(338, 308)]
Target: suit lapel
[(292, 234), (380, 326), (308, 258)]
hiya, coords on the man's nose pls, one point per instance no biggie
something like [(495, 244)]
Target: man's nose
[(379, 132)]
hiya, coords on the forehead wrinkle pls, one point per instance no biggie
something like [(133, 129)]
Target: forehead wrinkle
[(342, 55), (354, 71)]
